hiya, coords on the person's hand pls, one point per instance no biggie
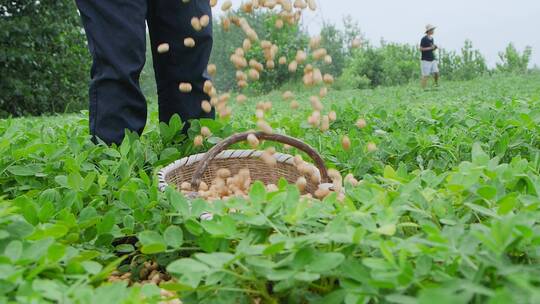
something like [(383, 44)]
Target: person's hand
[(434, 47)]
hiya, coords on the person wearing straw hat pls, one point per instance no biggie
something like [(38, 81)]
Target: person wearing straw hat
[(429, 63)]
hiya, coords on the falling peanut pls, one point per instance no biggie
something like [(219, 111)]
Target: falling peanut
[(288, 95), (189, 42), (293, 66), (332, 116), (361, 123), (312, 4), (205, 131), (163, 48), (356, 43), (206, 106), (253, 140), (241, 98), (185, 87), (196, 24), (226, 5), (350, 179), (205, 20), (371, 147), (265, 127), (323, 92), (198, 141), (211, 69), (268, 159), (328, 79), (346, 142), (301, 183)]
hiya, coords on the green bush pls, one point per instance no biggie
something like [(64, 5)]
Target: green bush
[(390, 64), (465, 66), (514, 62), (44, 63)]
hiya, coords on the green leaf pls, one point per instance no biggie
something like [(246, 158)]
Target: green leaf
[(125, 248), (388, 229), (190, 271), (220, 227), (92, 267), (150, 291), (274, 248), (303, 257), (389, 172), (26, 170), (507, 204), (20, 228), (400, 299), (279, 275), (488, 192), (46, 212), (106, 224), (110, 293), (178, 201), (174, 236), (54, 230), (307, 276), (257, 193), (152, 242), (49, 289), (194, 227), (325, 262), (14, 250), (479, 157), (482, 210), (56, 252), (376, 264), (129, 222), (215, 259)]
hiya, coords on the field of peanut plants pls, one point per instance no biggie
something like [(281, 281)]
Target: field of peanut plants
[(447, 207)]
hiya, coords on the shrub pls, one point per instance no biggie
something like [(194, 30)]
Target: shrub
[(514, 62), (43, 58), (465, 66), (390, 64)]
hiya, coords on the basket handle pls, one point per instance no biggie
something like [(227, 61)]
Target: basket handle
[(222, 145)]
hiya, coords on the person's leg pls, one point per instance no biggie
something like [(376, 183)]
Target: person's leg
[(425, 73), (170, 22), (116, 39), (424, 82), (436, 73)]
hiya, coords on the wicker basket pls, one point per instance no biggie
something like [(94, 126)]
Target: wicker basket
[(203, 167)]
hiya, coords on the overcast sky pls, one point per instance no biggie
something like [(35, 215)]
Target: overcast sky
[(490, 24)]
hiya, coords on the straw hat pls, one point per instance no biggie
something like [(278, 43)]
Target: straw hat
[(430, 27)]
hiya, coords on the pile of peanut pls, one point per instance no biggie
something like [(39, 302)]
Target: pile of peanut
[(148, 274)]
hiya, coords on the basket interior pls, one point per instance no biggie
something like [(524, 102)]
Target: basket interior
[(259, 171)]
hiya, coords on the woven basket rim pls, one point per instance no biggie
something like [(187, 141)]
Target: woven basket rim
[(226, 154)]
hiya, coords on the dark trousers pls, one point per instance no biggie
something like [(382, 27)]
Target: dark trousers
[(116, 33)]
